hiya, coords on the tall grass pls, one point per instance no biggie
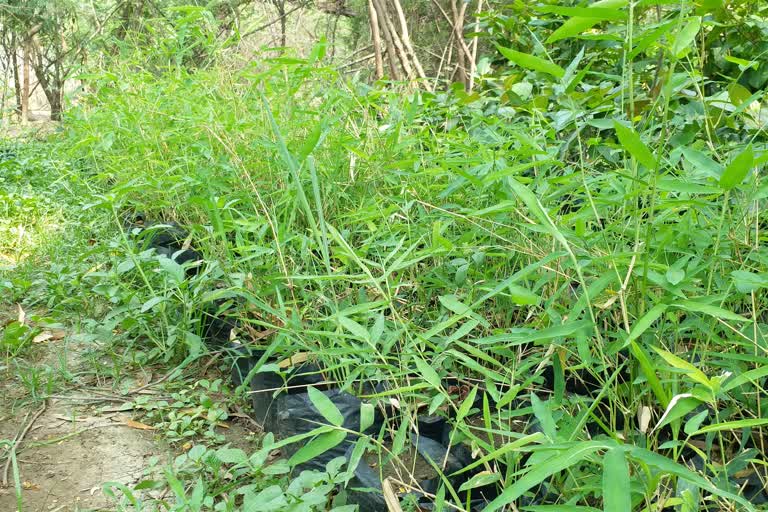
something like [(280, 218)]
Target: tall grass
[(528, 252)]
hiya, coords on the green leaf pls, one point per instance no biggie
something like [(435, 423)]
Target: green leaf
[(325, 407), (616, 495), (354, 327), (601, 13), (543, 413), (480, 480), (649, 370), (125, 266), (231, 456), (737, 170), (752, 376), (646, 321), (572, 27), (466, 405), (666, 465), (151, 303), (645, 40), (747, 282), (685, 38), (693, 424), (317, 446), (679, 406), (702, 162), (532, 62), (589, 18), (732, 425), (367, 415), (559, 508), (633, 144), (565, 457), (522, 296), (742, 63), (681, 364), (675, 275), (451, 303), (708, 309), (172, 269), (429, 374), (738, 94)]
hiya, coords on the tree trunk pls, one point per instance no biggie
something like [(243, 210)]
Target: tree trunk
[(50, 79), (406, 38), (25, 83), (381, 15), (16, 80), (376, 36), (462, 53), (280, 6)]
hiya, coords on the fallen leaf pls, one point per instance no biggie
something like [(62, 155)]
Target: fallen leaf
[(295, 359), (22, 314), (68, 419), (47, 336), (29, 486), (138, 425)]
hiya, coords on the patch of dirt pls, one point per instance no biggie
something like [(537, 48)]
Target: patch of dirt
[(64, 462), (409, 463), (71, 449)]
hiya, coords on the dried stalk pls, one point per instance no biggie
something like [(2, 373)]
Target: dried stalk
[(376, 39)]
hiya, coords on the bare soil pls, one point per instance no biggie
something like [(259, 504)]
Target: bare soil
[(409, 465), (80, 438), (70, 449)]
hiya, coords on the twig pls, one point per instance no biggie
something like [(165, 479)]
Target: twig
[(155, 383), (19, 438), (276, 20)]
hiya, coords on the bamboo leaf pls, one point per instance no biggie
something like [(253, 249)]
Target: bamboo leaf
[(429, 374), (325, 407), (685, 38), (616, 495), (317, 446), (646, 321), (564, 458), (737, 170), (632, 143), (708, 309), (532, 62), (732, 425)]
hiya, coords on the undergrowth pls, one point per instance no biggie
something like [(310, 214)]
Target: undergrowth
[(601, 274)]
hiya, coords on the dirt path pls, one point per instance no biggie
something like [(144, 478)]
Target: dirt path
[(75, 444)]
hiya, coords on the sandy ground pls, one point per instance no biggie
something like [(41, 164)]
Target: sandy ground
[(74, 443), (65, 462)]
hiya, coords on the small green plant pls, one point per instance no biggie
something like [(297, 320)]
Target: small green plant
[(229, 479), (187, 414)]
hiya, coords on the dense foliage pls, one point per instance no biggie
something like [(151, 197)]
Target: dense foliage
[(580, 240)]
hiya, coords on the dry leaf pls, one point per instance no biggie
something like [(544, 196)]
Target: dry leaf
[(393, 504), (644, 418), (301, 357), (29, 486), (22, 314), (138, 425), (68, 419), (48, 336)]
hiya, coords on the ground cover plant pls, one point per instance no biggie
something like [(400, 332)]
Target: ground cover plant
[(563, 268)]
